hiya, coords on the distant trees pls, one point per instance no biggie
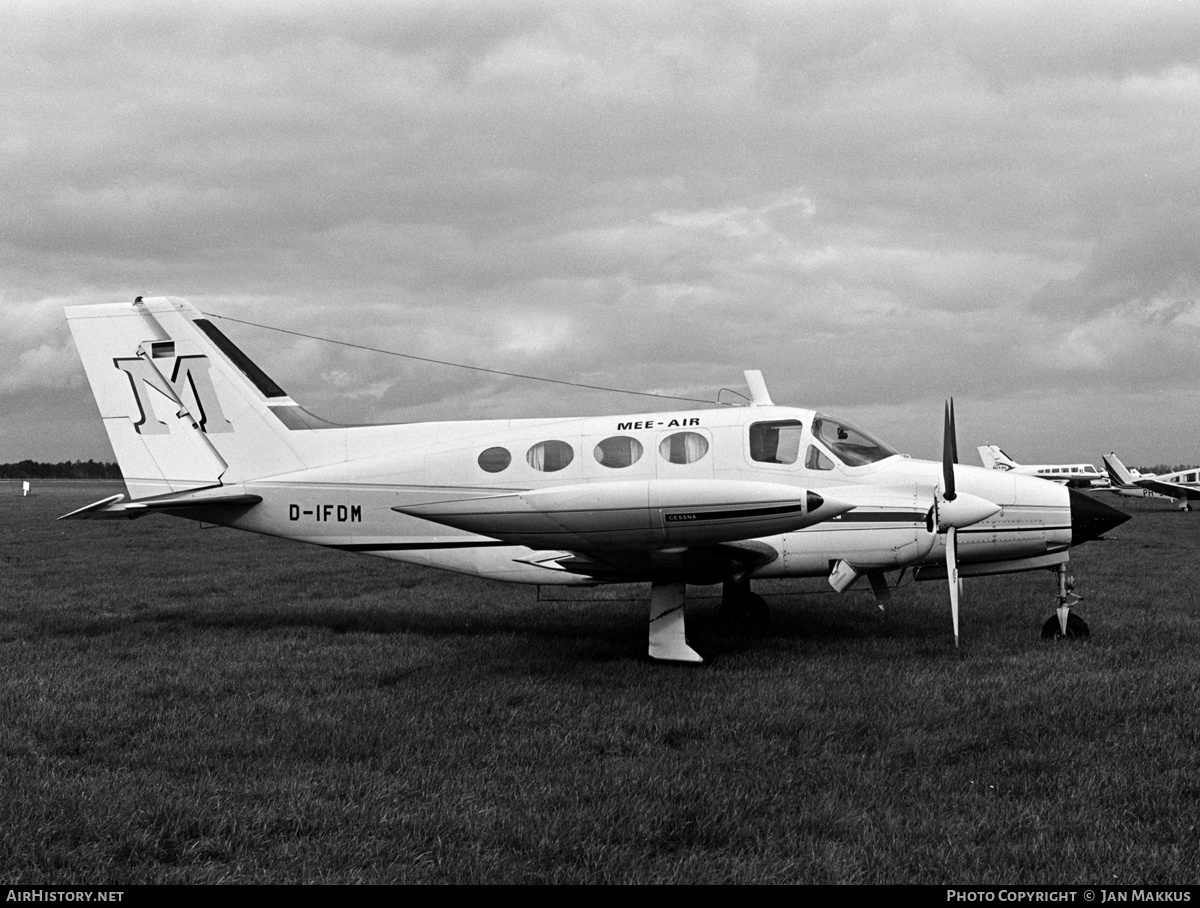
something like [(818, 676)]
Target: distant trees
[(1159, 468), (68, 469)]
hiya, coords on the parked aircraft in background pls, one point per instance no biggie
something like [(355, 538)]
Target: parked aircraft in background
[(724, 495), (1181, 486), (1075, 475)]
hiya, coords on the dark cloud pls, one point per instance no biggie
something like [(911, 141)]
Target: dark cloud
[(1024, 41), (1148, 267), (875, 203)]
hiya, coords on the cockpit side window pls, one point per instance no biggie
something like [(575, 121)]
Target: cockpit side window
[(776, 442), (815, 459), (851, 444)]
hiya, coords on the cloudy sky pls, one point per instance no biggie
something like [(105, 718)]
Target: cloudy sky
[(877, 204)]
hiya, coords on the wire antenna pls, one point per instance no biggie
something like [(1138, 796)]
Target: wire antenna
[(442, 362)]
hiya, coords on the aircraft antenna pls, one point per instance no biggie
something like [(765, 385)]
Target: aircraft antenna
[(442, 362), (731, 391)]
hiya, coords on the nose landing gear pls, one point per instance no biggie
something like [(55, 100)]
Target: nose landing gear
[(1064, 623)]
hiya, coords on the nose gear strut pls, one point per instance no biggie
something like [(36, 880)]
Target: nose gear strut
[(1064, 622)]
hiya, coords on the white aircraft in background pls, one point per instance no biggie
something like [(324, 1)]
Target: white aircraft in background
[(723, 495), (1075, 475), (1182, 486)]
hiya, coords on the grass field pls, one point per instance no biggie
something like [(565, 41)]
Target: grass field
[(180, 704)]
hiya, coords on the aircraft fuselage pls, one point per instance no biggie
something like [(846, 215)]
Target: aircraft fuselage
[(350, 503)]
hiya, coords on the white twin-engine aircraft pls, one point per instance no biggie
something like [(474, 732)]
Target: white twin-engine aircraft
[(725, 495), (1183, 486), (1076, 475)]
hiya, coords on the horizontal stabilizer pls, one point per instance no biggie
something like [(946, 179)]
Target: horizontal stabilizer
[(104, 509), (187, 504)]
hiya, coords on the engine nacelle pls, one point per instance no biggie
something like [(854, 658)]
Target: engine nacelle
[(885, 531), (635, 515)]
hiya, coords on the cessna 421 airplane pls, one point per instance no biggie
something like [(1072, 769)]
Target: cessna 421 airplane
[(723, 495)]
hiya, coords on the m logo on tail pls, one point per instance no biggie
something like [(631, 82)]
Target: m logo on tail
[(190, 388)]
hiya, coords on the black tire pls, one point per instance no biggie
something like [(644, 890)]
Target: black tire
[(1077, 628), (746, 608), (757, 611)]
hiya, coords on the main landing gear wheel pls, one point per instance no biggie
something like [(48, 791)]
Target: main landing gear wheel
[(739, 605), (1077, 628)]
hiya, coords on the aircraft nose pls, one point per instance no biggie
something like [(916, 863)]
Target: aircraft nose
[(1091, 519)]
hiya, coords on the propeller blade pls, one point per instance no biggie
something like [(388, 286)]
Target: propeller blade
[(949, 453), (952, 574), (953, 434)]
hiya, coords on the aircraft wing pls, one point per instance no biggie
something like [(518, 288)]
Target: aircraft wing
[(701, 564), (1171, 489)]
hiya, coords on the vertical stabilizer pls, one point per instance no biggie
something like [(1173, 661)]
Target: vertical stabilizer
[(184, 408), (995, 459), (1118, 473)]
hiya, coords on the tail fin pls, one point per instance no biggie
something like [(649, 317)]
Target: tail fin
[(184, 408), (995, 459), (1117, 471)]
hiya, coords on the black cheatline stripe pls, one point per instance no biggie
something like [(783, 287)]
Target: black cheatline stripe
[(857, 516), (689, 516), (413, 546), (1029, 529), (427, 546)]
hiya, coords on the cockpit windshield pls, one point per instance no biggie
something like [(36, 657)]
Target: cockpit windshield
[(850, 444)]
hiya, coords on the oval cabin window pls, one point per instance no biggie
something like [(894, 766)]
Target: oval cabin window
[(683, 447), (618, 451), (494, 460), (550, 456)]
